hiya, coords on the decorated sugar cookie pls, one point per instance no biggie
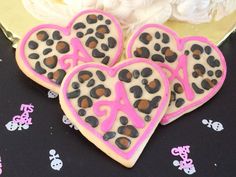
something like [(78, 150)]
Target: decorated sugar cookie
[(196, 68), (47, 52), (116, 108)]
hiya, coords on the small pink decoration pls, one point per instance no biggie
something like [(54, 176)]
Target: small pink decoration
[(22, 121), (0, 166), (186, 163), (24, 117)]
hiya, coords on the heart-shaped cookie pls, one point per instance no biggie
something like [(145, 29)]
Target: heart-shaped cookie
[(116, 108), (196, 68), (47, 52)]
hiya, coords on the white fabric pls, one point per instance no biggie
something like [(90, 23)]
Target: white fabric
[(133, 13)]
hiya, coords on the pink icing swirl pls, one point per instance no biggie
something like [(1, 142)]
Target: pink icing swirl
[(121, 103)]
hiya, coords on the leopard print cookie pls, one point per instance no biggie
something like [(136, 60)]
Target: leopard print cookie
[(195, 67), (116, 108), (47, 52)]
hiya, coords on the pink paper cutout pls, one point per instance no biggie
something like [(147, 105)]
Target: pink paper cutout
[(183, 153), (24, 117), (0, 166)]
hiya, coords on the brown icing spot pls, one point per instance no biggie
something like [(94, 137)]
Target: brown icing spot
[(85, 77), (169, 52), (92, 44), (143, 104), (139, 51), (210, 82), (178, 88), (199, 72), (102, 29), (100, 92), (42, 35), (149, 37), (56, 75), (152, 84), (50, 62), (62, 47), (123, 143), (197, 52), (84, 103), (128, 75)]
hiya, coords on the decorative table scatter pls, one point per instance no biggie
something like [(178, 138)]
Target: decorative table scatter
[(50, 140), (52, 94), (56, 162), (186, 163), (0, 165), (22, 121)]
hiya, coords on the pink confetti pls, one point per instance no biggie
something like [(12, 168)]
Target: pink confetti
[(24, 117), (22, 121), (185, 163), (0, 166)]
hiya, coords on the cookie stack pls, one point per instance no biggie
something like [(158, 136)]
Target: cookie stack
[(115, 104)]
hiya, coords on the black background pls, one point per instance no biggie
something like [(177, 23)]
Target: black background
[(26, 153)]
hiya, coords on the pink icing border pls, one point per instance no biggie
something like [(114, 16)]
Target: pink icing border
[(180, 42), (66, 30), (112, 71)]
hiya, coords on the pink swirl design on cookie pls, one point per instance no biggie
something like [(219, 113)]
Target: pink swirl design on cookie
[(75, 56), (115, 107), (180, 44), (175, 75)]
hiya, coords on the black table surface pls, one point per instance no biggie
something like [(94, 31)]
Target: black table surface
[(25, 153)]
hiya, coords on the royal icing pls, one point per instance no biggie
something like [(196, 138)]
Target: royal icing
[(196, 68), (48, 51), (117, 108)]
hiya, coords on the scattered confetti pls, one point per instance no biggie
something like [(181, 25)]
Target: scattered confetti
[(185, 164), (66, 121), (217, 126), (52, 94), (0, 165), (56, 162), (22, 121)]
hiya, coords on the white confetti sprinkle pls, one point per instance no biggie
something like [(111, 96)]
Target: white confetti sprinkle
[(66, 121), (56, 162), (52, 94), (217, 126), (189, 170)]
